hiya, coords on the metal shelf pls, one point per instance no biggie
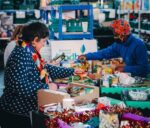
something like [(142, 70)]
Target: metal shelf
[(70, 35), (4, 38), (145, 31), (139, 29), (131, 11), (14, 11)]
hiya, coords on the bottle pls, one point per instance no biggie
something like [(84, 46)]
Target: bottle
[(59, 108), (61, 57)]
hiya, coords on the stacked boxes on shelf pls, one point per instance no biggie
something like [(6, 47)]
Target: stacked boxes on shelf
[(9, 4), (60, 2), (71, 28), (54, 24), (17, 4), (72, 25)]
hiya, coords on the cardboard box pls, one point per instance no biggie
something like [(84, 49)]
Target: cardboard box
[(112, 63), (46, 96), (72, 48)]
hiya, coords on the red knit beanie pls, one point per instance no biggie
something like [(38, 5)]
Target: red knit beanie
[(121, 28)]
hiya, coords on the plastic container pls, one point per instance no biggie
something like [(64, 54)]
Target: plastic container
[(142, 104)]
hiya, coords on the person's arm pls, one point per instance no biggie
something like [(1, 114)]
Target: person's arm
[(56, 72), (20, 75), (141, 68), (107, 53)]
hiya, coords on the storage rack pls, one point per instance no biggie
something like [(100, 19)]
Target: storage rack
[(72, 35), (13, 12), (138, 29)]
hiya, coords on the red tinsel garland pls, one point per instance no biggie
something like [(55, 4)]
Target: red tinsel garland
[(70, 116)]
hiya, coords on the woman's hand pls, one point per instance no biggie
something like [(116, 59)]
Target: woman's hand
[(82, 58), (78, 71), (119, 68), (52, 86)]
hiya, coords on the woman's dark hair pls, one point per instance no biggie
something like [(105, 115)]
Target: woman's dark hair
[(32, 30)]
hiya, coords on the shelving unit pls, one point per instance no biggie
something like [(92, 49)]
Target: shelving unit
[(135, 7), (13, 19), (72, 35), (28, 14), (14, 11), (138, 29)]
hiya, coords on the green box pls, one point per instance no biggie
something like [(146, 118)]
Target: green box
[(148, 26), (54, 24), (7, 7), (60, 2), (20, 20), (118, 90), (25, 7), (53, 28), (74, 25), (144, 25), (138, 104)]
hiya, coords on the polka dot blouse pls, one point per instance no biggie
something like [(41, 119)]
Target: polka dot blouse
[(22, 81)]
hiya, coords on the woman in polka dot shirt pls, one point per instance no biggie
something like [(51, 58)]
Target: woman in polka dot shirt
[(25, 74)]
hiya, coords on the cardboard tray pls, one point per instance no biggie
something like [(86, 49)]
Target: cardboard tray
[(46, 96)]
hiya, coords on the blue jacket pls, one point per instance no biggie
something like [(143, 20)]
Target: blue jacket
[(133, 52), (22, 81)]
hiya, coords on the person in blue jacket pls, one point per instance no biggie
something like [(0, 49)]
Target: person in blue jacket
[(131, 49), (26, 73)]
